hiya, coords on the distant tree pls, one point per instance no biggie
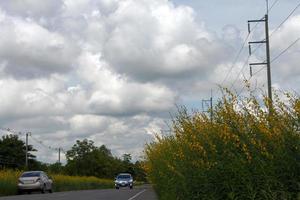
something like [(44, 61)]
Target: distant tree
[(127, 158), (37, 165), (13, 151), (140, 173), (86, 159), (55, 168), (127, 164)]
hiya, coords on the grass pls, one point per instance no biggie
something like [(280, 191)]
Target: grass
[(8, 182), (67, 183), (9, 178)]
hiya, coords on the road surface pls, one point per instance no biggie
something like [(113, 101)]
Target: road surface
[(138, 193)]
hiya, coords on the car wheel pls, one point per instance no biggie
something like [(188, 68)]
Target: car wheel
[(43, 190), (131, 187), (20, 192), (117, 188)]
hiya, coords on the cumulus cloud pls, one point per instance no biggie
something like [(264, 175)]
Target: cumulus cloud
[(33, 8), (166, 43), (106, 70), (28, 50), (31, 98), (113, 94), (288, 64)]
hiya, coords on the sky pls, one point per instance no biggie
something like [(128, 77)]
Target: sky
[(113, 71)]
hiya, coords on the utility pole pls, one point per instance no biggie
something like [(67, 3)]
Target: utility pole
[(59, 155), (268, 58), (26, 156), (210, 101), (268, 61), (211, 105)]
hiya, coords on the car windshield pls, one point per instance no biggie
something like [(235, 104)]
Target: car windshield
[(31, 174), (124, 177)]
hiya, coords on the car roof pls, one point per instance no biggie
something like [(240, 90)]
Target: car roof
[(124, 174), (33, 172), (28, 172)]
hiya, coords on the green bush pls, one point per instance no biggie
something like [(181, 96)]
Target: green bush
[(243, 153)]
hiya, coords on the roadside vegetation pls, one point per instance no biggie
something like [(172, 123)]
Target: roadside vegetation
[(87, 166), (9, 180), (242, 153)]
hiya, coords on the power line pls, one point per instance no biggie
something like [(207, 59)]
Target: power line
[(263, 67), (46, 146), (236, 59), (239, 53), (283, 22), (271, 7), (36, 140), (238, 94), (247, 60), (266, 41), (285, 50), (291, 13), (240, 72)]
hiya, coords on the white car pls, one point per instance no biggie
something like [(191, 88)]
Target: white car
[(34, 181), (124, 180)]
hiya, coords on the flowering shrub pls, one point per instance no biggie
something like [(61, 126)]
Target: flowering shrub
[(244, 152)]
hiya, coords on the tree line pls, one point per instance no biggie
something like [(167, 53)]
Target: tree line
[(83, 159)]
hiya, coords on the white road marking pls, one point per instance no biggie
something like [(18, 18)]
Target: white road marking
[(138, 194)]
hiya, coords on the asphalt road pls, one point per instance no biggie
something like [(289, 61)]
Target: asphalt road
[(138, 193)]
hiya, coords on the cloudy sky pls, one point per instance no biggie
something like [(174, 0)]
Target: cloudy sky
[(113, 70)]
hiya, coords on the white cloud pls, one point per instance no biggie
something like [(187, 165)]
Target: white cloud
[(29, 98), (117, 95), (166, 43), (32, 8), (29, 50), (288, 64), (88, 124), (108, 70)]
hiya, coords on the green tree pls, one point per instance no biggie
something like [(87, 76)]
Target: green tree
[(55, 168), (140, 174), (13, 151), (88, 160), (127, 164)]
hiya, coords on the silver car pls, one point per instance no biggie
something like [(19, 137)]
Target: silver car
[(124, 180), (34, 181)]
